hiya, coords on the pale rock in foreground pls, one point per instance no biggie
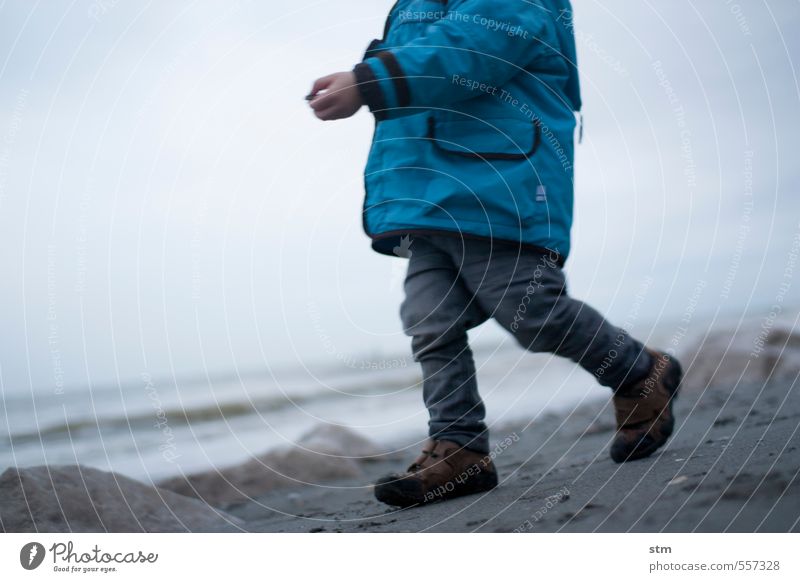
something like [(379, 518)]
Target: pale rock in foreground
[(339, 441), (324, 454), (73, 498), (753, 354)]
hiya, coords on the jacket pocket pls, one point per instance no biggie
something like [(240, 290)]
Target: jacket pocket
[(490, 139)]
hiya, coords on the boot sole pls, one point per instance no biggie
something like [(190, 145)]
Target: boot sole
[(400, 492)]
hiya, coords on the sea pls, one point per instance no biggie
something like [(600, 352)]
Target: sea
[(151, 427)]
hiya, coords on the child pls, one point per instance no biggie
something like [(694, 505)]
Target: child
[(470, 176)]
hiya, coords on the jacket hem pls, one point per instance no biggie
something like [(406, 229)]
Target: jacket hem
[(384, 242)]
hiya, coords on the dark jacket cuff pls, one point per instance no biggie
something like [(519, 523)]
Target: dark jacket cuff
[(370, 89)]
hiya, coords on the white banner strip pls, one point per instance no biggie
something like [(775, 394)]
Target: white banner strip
[(381, 557)]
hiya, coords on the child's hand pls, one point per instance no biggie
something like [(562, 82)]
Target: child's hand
[(341, 98)]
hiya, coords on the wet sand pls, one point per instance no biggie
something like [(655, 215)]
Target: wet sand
[(731, 466)]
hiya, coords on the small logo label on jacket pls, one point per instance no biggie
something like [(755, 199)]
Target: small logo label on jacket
[(541, 193)]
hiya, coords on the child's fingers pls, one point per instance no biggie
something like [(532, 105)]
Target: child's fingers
[(327, 113), (324, 114), (323, 102), (321, 84)]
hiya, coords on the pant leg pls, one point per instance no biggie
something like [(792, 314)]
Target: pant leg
[(437, 312), (526, 292)]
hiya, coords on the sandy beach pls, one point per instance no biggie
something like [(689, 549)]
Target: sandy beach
[(732, 466)]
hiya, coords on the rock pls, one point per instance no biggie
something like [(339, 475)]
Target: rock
[(339, 441), (754, 354), (73, 498), (324, 454)]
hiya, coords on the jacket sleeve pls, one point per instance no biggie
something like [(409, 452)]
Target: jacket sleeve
[(474, 48)]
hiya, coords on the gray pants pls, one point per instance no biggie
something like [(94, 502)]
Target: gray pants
[(455, 284)]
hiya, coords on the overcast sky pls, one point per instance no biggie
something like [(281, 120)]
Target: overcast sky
[(168, 204)]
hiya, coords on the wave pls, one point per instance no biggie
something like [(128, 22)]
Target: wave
[(207, 412)]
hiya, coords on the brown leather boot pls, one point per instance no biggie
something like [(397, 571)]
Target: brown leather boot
[(444, 470), (644, 411)]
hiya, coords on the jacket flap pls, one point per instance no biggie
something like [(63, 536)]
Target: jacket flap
[(503, 138)]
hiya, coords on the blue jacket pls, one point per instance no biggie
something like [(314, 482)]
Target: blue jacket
[(474, 104)]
